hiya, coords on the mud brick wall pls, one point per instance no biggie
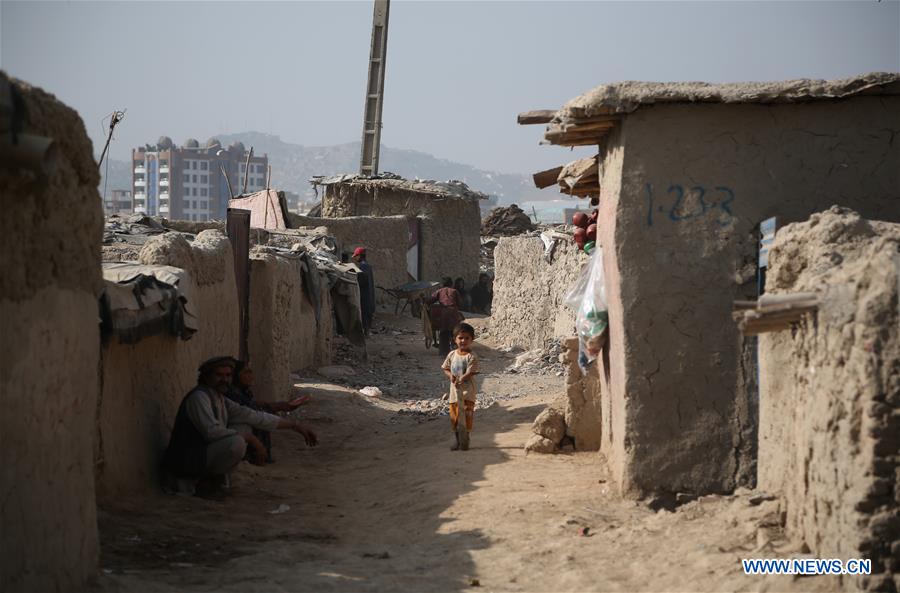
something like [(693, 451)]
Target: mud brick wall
[(829, 438), (386, 239), (528, 308), (284, 335), (144, 383), (583, 402), (450, 228), (49, 353), (683, 189)]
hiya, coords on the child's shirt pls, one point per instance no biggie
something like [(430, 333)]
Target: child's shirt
[(459, 364)]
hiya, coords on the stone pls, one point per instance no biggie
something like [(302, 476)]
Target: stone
[(550, 424), (539, 444)]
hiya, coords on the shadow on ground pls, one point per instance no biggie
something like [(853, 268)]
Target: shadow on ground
[(372, 508)]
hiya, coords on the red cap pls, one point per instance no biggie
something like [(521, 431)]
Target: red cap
[(359, 251)]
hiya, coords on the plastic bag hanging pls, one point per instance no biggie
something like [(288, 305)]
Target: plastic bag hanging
[(588, 297)]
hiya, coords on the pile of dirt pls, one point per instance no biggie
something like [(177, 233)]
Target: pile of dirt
[(507, 221)]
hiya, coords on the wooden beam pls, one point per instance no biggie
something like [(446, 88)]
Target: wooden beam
[(568, 138), (606, 124), (546, 178), (773, 312), (586, 141), (581, 191), (539, 116)]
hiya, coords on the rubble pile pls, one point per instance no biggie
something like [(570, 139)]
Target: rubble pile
[(540, 361), (124, 236), (135, 229), (506, 221), (486, 258), (431, 409), (549, 433)]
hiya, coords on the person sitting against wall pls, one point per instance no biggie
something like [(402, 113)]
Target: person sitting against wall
[(445, 315), (482, 294), (460, 285), (209, 439), (241, 392)]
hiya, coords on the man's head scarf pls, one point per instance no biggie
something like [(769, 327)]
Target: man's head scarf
[(216, 362)]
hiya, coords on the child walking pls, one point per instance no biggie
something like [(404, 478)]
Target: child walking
[(460, 366)]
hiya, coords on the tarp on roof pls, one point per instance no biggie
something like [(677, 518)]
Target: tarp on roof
[(141, 300)]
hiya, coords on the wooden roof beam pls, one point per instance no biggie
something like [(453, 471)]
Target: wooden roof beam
[(538, 116), (546, 178)]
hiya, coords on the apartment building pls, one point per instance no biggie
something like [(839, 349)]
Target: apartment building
[(188, 182)]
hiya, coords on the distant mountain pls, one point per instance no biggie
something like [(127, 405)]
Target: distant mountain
[(293, 165)]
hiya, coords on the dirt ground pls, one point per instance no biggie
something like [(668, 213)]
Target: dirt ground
[(382, 504)]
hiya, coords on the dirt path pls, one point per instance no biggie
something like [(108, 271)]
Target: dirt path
[(384, 505)]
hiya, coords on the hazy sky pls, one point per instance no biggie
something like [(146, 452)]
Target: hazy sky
[(457, 72)]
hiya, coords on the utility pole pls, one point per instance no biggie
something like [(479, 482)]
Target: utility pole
[(371, 140)]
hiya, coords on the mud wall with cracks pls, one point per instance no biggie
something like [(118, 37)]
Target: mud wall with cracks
[(284, 335), (143, 383), (830, 422), (611, 368), (695, 182), (528, 309), (385, 238), (583, 401), (450, 228), (49, 356)]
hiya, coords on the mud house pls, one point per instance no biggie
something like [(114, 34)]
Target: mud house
[(50, 352), (444, 236), (386, 239), (685, 174), (830, 390)]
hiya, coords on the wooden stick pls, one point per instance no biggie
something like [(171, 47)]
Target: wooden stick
[(590, 126), (559, 131), (557, 136), (268, 176), (585, 141), (572, 120), (538, 116), (780, 318), (227, 181), (247, 170), (768, 300), (546, 178)]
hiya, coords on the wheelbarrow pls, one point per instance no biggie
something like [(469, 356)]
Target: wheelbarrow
[(411, 295)]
